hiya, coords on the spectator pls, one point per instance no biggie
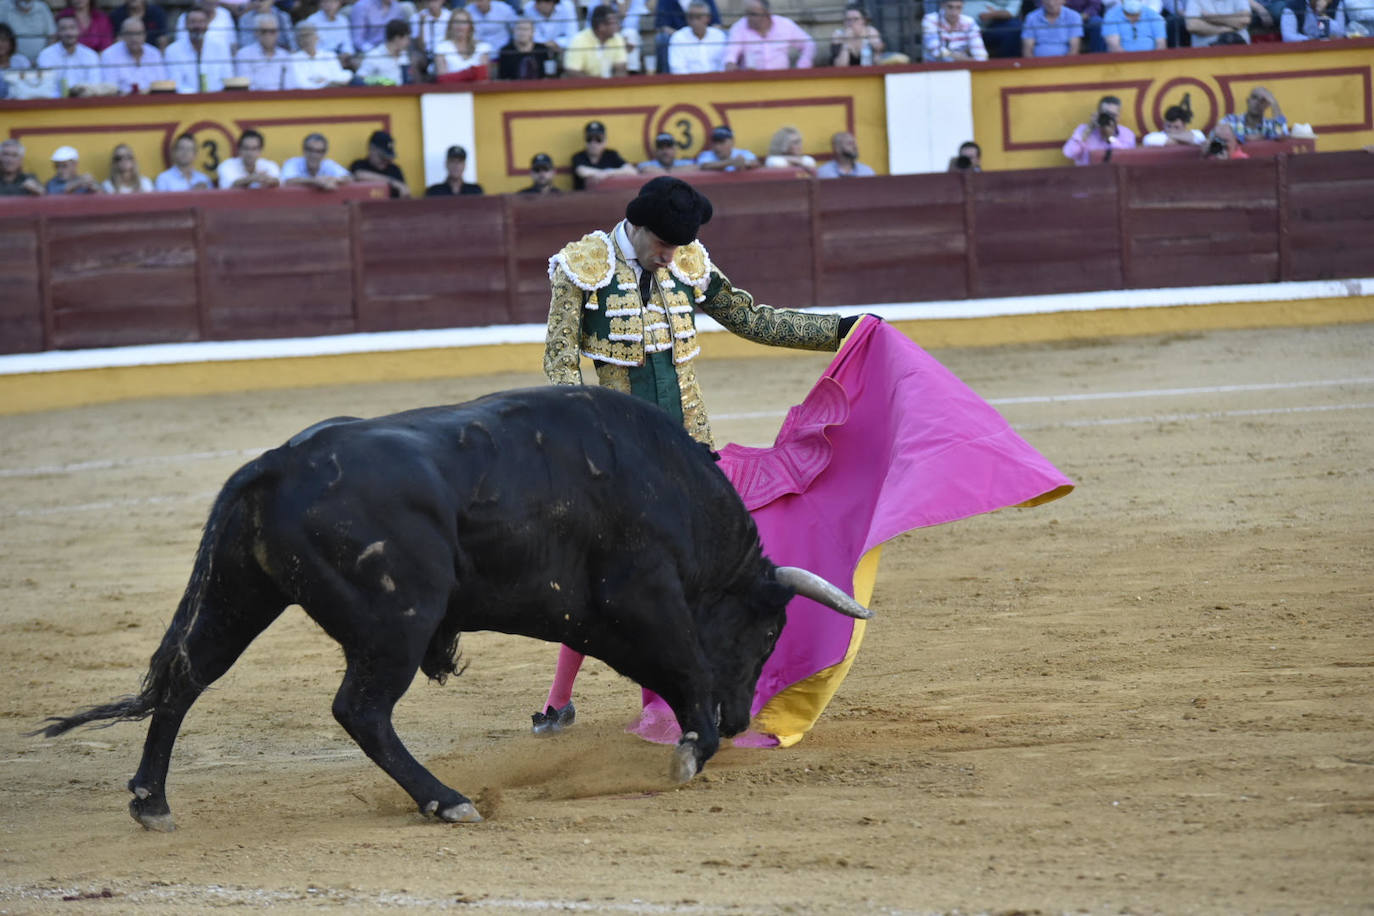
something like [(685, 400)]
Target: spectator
[(763, 41), (555, 24), (1052, 31), (970, 158), (461, 52), (492, 20), (1253, 124), (1132, 26), (669, 18), (999, 23), (129, 63), (785, 151), (68, 177), (541, 171), (369, 19), (94, 28), (598, 50), (1313, 20), (456, 162), (314, 169), (856, 43), (181, 176), (594, 161), (723, 156), (1103, 132), (697, 47), (197, 62), (313, 67), (221, 29), (845, 163), (153, 17), (14, 181), (76, 67), (665, 159), (333, 29), (10, 59), (949, 35), (264, 12), (428, 27), (265, 64), (1217, 21), (628, 13), (1176, 131), (1224, 144), (524, 58), (32, 27), (125, 178), (248, 169), (388, 64), (380, 164), (1359, 16), (1090, 11)]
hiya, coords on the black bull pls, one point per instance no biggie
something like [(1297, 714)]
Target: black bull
[(573, 515)]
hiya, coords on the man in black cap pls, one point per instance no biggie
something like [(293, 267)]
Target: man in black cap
[(594, 162), (625, 299), (456, 160), (665, 158), (723, 156), (380, 164), (541, 170)]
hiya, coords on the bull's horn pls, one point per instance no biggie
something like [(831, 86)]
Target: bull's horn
[(809, 585)]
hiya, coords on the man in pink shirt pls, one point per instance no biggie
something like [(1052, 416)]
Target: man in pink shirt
[(1103, 132), (762, 41)]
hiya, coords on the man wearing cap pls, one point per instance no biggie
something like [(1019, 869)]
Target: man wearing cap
[(314, 169), (625, 299), (665, 158), (67, 180), (541, 170), (595, 162), (723, 156), (456, 161), (380, 164)]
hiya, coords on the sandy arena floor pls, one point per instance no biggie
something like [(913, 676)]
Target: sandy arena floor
[(1153, 696)]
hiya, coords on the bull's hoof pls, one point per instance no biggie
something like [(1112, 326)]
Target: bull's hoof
[(684, 763), (153, 814), (461, 814), (552, 721)]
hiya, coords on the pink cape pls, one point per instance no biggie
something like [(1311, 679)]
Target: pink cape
[(888, 440)]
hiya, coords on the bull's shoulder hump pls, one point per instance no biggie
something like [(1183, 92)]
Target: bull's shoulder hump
[(311, 430), (588, 262)]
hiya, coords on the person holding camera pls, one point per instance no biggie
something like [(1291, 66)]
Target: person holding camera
[(1104, 132), (970, 158)]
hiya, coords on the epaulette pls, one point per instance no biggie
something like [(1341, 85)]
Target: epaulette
[(692, 265), (589, 262)]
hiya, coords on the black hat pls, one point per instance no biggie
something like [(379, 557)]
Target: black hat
[(665, 140), (541, 161), (593, 128), (671, 209), (382, 141), (722, 133), (456, 152)]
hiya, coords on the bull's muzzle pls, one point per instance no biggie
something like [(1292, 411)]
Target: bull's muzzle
[(809, 585)]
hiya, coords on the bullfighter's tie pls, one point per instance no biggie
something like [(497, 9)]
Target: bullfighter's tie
[(646, 279)]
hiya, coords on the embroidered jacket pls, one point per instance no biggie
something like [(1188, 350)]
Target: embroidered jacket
[(596, 311)]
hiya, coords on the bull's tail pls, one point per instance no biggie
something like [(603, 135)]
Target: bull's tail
[(170, 669)]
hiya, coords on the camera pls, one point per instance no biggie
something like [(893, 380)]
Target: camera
[(963, 163), (1105, 119), (1215, 148)]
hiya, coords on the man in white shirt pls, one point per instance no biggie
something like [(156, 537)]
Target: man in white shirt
[(131, 63), (1176, 131), (221, 28), (314, 67), (260, 11), (492, 20), (75, 65), (182, 176), (387, 63), (197, 62), (266, 65), (333, 27), (248, 169), (555, 23), (314, 170), (698, 47)]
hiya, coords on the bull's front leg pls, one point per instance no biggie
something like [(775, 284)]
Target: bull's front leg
[(699, 718)]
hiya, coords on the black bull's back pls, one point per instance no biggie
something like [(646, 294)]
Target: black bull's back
[(572, 514)]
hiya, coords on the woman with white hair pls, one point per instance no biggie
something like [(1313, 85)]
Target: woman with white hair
[(785, 152)]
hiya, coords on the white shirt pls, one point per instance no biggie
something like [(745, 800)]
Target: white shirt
[(1160, 138), (559, 28), (456, 60), (334, 35), (221, 28), (378, 62), (429, 30), (265, 73), (295, 168), (79, 68), (215, 64), (231, 170), (493, 27), (689, 54), (119, 67), (317, 72)]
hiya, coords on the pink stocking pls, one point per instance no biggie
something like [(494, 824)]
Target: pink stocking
[(569, 663)]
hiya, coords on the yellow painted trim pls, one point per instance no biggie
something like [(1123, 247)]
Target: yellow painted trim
[(24, 393)]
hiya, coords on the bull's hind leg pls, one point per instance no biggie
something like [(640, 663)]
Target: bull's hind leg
[(201, 645)]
